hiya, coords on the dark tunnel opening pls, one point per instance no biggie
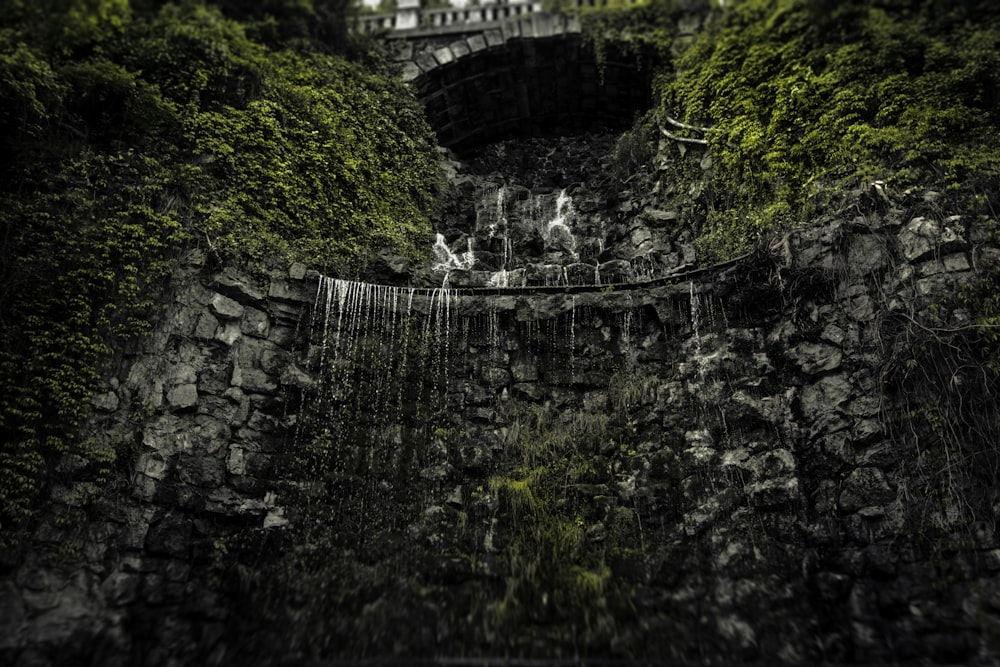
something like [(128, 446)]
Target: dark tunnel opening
[(534, 87)]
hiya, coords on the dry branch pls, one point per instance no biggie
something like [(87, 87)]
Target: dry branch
[(684, 126), (688, 140), (677, 123)]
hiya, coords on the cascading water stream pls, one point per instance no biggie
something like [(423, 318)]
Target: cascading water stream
[(397, 364), (418, 394), (448, 259), (557, 230), (523, 238), (375, 335)]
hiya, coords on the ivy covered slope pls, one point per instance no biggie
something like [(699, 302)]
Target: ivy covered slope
[(131, 131), (807, 99)]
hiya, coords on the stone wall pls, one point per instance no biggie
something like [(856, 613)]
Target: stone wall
[(125, 576), (756, 477)]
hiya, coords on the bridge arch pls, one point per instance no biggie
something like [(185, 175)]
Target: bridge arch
[(533, 76)]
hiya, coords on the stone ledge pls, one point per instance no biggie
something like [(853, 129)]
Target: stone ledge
[(237, 288)]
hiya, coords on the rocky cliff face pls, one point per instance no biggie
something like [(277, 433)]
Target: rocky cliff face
[(788, 458), (196, 411)]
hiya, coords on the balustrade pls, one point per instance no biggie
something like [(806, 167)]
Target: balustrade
[(409, 15)]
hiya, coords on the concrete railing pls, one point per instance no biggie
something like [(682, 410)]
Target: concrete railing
[(410, 18)]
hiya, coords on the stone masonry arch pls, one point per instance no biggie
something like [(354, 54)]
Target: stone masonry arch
[(532, 76)]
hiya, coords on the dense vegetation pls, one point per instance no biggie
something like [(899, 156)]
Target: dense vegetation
[(130, 131), (822, 107), (809, 99)]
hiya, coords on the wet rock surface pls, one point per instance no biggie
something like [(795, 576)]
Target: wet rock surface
[(733, 466), (550, 212)]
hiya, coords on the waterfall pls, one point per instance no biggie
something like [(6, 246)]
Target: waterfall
[(557, 231), (448, 259), (433, 405), (523, 238), (375, 341), (443, 413)]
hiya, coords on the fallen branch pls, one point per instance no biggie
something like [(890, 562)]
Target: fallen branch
[(677, 123), (675, 137), (684, 126)]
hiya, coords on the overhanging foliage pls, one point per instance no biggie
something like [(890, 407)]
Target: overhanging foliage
[(129, 131)]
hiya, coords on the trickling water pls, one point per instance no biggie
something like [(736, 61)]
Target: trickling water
[(696, 316), (642, 268), (448, 259), (696, 307), (501, 215), (557, 230), (493, 332), (500, 279), (366, 333), (572, 337), (491, 210), (627, 324)]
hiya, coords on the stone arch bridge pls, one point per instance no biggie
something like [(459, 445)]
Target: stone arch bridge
[(501, 71)]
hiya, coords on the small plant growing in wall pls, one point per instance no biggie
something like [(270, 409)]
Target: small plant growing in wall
[(555, 544)]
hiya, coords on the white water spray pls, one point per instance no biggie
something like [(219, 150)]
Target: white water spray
[(557, 230), (448, 259)]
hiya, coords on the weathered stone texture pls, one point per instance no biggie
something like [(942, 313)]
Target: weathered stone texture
[(762, 465), (177, 403)]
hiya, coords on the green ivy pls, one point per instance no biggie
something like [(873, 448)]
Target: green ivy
[(551, 572), (91, 252), (803, 100), (133, 131)]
